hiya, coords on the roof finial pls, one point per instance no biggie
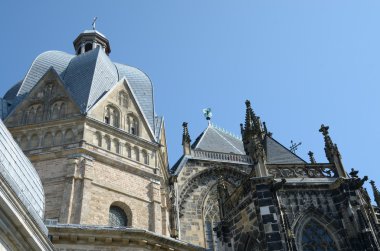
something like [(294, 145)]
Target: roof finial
[(311, 156), (376, 193), (294, 146), (208, 114), (94, 23), (329, 145)]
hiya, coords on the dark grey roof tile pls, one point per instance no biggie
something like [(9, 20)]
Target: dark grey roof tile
[(279, 154)]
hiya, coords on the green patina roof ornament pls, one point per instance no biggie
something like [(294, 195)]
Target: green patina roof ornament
[(207, 113)]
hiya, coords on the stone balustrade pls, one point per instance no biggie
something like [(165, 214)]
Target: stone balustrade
[(222, 156)]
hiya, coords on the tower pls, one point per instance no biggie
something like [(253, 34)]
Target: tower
[(89, 127)]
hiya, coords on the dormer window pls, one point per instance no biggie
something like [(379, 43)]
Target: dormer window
[(133, 124), (112, 116)]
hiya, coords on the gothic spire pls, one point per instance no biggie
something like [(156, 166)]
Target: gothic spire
[(253, 139), (330, 148), (332, 152), (252, 122), (311, 156), (376, 193), (248, 116)]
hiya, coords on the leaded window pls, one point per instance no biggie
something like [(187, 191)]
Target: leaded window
[(316, 238), (117, 218)]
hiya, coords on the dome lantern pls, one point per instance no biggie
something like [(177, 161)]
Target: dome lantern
[(89, 40)]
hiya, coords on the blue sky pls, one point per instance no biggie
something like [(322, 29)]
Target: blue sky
[(301, 63)]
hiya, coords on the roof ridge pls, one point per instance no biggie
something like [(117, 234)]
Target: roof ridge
[(221, 129)]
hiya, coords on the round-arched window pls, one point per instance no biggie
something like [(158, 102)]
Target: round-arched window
[(88, 47), (118, 218)]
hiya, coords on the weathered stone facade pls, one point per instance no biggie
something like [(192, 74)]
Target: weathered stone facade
[(100, 151), (297, 206), (89, 127)]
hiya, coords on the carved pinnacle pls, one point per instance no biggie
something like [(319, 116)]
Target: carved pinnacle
[(185, 135), (330, 149), (376, 193), (242, 130), (248, 115), (311, 157)]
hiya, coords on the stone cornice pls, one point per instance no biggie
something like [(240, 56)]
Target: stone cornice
[(116, 236)]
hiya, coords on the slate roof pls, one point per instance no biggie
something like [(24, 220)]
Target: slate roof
[(279, 154), (19, 173), (87, 77), (216, 140)]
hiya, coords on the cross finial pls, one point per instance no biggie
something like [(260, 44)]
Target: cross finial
[(294, 146), (324, 130), (94, 23)]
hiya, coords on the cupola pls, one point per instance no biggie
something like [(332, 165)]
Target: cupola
[(89, 40)]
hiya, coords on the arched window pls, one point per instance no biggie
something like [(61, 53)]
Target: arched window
[(117, 217), (133, 124), (112, 116), (58, 138), (145, 157), (88, 47), (315, 237), (34, 141), (48, 140), (128, 150), (107, 142), (39, 113), (62, 110), (211, 215), (136, 153), (55, 111), (31, 115), (116, 146), (123, 99), (24, 142), (97, 139), (69, 136)]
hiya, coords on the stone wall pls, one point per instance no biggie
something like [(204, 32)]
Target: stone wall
[(197, 198)]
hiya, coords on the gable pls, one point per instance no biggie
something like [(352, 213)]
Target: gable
[(215, 140), (47, 100), (278, 154), (120, 108)]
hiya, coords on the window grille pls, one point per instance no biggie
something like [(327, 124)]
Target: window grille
[(315, 237), (117, 217)]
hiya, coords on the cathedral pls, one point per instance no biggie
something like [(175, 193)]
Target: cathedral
[(84, 166)]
